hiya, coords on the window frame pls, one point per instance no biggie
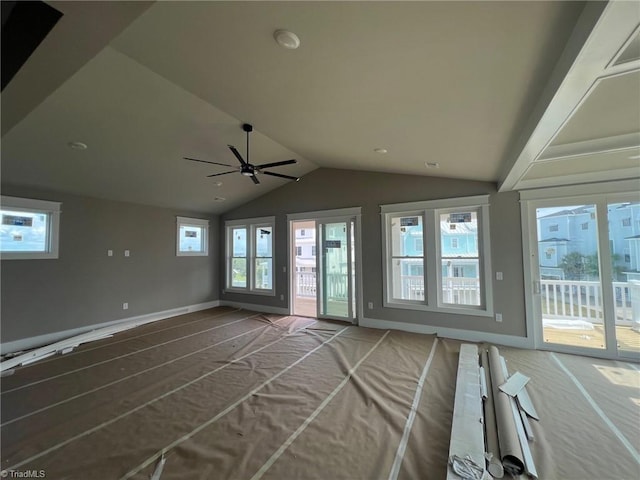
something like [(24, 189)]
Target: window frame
[(430, 210), (200, 223), (251, 226), (30, 205)]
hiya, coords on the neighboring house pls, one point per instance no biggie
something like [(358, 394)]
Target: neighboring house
[(458, 245), (574, 231), (305, 244)]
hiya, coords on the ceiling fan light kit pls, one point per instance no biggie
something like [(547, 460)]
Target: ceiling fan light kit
[(247, 169)]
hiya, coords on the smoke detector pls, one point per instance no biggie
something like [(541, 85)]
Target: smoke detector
[(286, 39)]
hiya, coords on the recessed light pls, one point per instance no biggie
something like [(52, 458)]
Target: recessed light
[(381, 151), (77, 145), (219, 199), (286, 39), (432, 165), (217, 184)]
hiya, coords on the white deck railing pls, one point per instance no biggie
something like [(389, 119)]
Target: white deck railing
[(455, 290), (337, 287), (306, 284), (561, 299), (570, 299)]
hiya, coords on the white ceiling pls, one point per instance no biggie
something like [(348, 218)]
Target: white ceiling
[(463, 84)]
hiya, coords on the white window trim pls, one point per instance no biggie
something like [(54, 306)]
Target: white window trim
[(193, 222), (432, 300), (251, 224), (52, 209)]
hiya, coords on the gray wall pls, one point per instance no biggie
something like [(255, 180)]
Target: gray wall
[(86, 287), (325, 189)]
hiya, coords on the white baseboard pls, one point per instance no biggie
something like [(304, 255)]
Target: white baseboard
[(454, 333), (255, 307), (50, 343)]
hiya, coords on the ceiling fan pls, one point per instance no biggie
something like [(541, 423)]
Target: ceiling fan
[(247, 169)]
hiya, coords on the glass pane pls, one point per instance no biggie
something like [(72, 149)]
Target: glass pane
[(191, 239), (263, 241), (461, 281), (263, 273), (335, 281), (239, 272), (406, 236), (459, 234), (624, 242), (460, 259), (408, 279), (23, 231), (239, 242), (570, 288)]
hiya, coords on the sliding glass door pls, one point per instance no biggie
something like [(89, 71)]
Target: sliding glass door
[(325, 264), (624, 242), (337, 272), (584, 262), (569, 276)]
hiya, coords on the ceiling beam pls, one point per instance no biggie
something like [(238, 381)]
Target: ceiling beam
[(599, 34)]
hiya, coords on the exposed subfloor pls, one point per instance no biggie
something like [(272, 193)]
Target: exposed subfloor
[(228, 393)]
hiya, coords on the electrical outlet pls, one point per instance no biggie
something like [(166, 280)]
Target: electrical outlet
[(498, 317), (125, 306), (499, 276), (127, 253), (281, 297), (370, 305), (109, 253)]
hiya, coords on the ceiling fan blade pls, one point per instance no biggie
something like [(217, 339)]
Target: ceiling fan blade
[(223, 173), (207, 161), (255, 179), (281, 176), (276, 164), (237, 154)]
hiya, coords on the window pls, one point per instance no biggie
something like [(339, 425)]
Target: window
[(298, 251), (238, 266), (437, 256), (302, 232), (29, 229), (460, 289), (626, 222), (263, 261), (193, 237), (313, 250), (553, 228), (249, 253), (405, 230), (585, 226)]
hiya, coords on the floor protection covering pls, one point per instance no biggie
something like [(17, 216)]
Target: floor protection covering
[(589, 412), (228, 394), (235, 394)]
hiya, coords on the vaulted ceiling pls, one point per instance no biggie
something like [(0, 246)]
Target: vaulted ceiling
[(524, 94)]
